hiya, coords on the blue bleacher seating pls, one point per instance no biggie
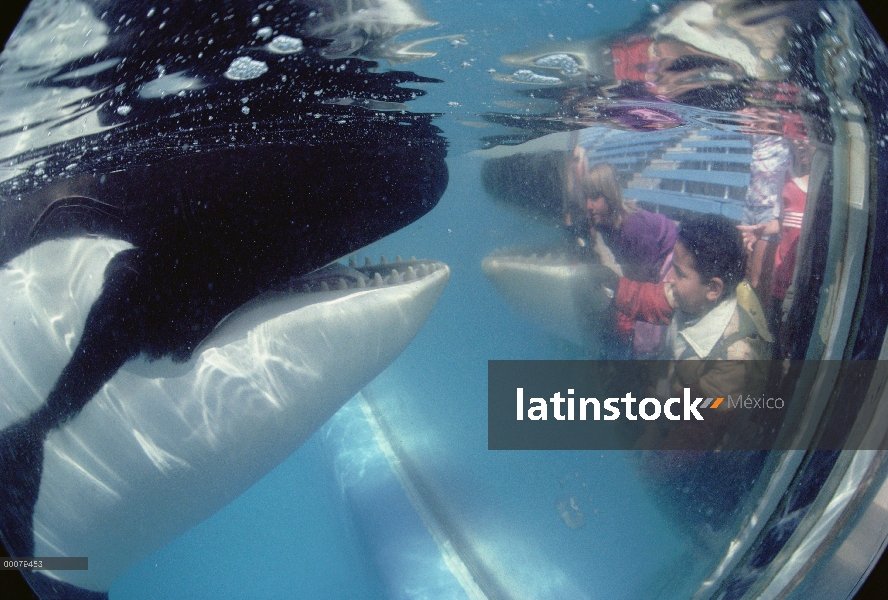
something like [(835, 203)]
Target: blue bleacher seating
[(712, 173)]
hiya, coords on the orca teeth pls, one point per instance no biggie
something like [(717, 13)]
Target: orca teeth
[(398, 258), (381, 275), (513, 255), (383, 260)]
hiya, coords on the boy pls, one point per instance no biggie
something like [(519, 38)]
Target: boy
[(712, 312), (718, 339)]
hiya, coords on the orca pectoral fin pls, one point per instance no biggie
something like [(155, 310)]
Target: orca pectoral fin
[(110, 337), (103, 348), (106, 343), (21, 464)]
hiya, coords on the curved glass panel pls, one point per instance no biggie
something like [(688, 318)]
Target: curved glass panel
[(208, 390)]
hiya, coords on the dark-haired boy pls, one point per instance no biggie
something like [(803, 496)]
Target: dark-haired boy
[(718, 338), (712, 312)]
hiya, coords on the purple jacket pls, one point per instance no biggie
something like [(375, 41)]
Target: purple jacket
[(642, 244)]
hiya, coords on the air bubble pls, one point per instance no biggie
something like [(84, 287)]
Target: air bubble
[(243, 68), (284, 44), (526, 76), (565, 62)]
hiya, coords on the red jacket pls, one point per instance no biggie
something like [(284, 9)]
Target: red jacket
[(641, 301)]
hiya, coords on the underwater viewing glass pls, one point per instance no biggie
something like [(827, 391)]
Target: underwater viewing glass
[(220, 377)]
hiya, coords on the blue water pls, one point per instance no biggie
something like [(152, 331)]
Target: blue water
[(297, 534)]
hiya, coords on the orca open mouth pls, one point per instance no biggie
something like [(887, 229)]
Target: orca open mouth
[(339, 277)]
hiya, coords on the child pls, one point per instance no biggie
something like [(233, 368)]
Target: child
[(719, 339), (712, 315), (640, 241)]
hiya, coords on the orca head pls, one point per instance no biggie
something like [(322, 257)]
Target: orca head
[(222, 143)]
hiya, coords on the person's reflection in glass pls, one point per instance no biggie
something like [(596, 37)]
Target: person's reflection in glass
[(650, 73), (640, 241), (767, 175), (717, 346), (787, 227)]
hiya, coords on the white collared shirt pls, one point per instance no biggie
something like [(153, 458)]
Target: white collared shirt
[(704, 334)]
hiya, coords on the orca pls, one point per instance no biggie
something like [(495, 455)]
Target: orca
[(231, 157), (555, 290)]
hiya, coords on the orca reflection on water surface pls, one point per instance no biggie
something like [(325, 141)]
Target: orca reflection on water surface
[(229, 156)]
